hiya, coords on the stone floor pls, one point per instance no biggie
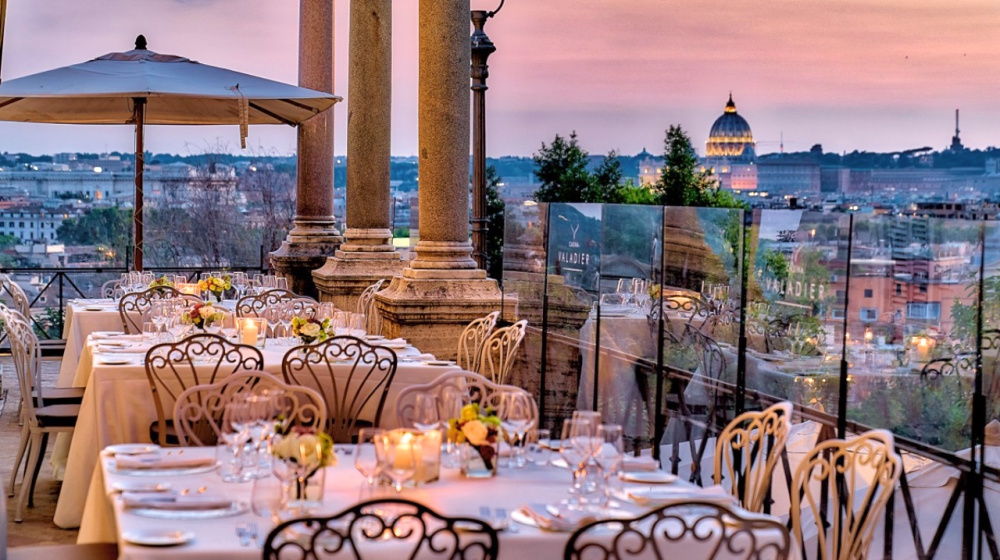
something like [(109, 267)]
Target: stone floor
[(37, 527)]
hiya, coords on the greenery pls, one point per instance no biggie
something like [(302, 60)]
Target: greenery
[(681, 184), (561, 169), (401, 232), (108, 227), (494, 225)]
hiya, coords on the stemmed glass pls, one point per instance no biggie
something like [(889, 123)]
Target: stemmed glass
[(367, 455), (159, 314), (608, 456), (268, 499), (399, 462), (234, 434), (425, 412), (239, 281), (516, 419), (261, 412), (453, 401), (577, 448), (286, 312)]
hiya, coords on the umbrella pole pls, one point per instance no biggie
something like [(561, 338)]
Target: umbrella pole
[(3, 20), (140, 167)]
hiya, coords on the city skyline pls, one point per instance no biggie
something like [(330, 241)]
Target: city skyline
[(846, 74)]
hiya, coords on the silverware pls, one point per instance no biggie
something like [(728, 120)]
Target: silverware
[(503, 521), (253, 533), (243, 532)]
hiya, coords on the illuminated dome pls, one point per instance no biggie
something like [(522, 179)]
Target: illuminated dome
[(730, 137)]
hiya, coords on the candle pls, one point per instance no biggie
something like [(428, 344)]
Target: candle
[(404, 452), (868, 336), (923, 349), (250, 333), (189, 289)]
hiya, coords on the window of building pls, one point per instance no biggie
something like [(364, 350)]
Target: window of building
[(923, 288), (927, 311), (899, 289), (869, 314), (868, 293)]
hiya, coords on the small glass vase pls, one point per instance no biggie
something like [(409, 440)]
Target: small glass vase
[(304, 492), (479, 461)]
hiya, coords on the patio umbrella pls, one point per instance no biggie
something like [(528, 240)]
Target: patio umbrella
[(142, 87)]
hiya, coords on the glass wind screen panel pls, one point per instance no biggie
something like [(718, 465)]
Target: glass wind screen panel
[(699, 301), (524, 287), (627, 341), (912, 327), (990, 341), (795, 309), (573, 265)]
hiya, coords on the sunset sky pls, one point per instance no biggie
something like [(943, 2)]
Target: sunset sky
[(849, 74)]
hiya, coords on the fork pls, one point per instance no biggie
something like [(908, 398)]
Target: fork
[(243, 532), (505, 521), (253, 534)]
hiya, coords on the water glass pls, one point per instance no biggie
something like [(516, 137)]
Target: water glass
[(267, 499), (230, 459), (425, 412), (538, 448), (358, 325), (609, 455), (399, 462), (150, 332), (366, 455)]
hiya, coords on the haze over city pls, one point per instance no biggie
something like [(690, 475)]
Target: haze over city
[(847, 74)]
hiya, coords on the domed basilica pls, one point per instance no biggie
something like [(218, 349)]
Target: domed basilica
[(730, 152)]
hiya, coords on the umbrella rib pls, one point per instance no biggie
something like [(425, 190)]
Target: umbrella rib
[(10, 101), (272, 115), (302, 106)]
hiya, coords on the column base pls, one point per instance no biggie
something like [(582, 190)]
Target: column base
[(431, 312), (344, 276), (306, 249)]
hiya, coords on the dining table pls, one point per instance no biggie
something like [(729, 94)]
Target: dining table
[(500, 501), (118, 405)]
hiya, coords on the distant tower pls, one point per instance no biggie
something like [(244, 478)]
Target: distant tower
[(956, 142)]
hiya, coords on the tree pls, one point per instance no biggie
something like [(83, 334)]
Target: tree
[(561, 168), (109, 227), (494, 225), (680, 183)]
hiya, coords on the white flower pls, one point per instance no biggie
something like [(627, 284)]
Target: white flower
[(206, 312), (310, 329), (476, 432)]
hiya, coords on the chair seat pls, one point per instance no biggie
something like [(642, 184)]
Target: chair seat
[(100, 551), (61, 395), (171, 435), (57, 415)]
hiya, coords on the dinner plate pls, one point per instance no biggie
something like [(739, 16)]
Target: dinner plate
[(649, 477), (139, 486), (131, 448), (157, 537), (234, 508), (104, 334), (113, 469), (373, 337), (439, 363), (114, 360), (394, 345), (95, 308)]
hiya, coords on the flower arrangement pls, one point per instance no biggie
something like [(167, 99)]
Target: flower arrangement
[(305, 447), (311, 330), (202, 315), (216, 285), (479, 428), (654, 290), (161, 282)]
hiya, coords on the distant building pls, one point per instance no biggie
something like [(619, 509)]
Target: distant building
[(730, 151), (32, 223), (789, 174)]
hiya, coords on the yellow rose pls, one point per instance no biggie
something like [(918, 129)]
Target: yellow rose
[(469, 412), (206, 312), (309, 329), (476, 432), (202, 285)]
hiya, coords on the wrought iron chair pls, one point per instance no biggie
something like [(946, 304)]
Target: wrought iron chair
[(747, 451), (360, 532), (470, 386), (40, 418), (496, 357), (844, 505), (686, 529), (350, 374), (470, 343), (200, 359), (254, 305), (134, 306), (366, 305), (305, 306), (198, 410), (112, 289)]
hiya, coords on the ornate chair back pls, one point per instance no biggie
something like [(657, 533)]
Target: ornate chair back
[(254, 305), (499, 351), (844, 503), (198, 410), (27, 355), (366, 305), (470, 343), (352, 376), (111, 289), (684, 529), (468, 386), (747, 451), (134, 306), (200, 359), (359, 532), (17, 296)]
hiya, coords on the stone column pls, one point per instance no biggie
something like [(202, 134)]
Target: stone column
[(367, 254), (441, 290), (314, 235)]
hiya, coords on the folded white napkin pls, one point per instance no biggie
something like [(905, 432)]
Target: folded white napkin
[(172, 500), (130, 349), (556, 518), (156, 461), (100, 335), (643, 463), (390, 342), (665, 495), (115, 336)]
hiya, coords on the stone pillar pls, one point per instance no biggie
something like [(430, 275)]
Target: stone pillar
[(367, 254), (314, 235), (441, 290)]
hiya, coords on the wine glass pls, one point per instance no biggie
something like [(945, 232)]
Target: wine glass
[(576, 449), (399, 460), (452, 401), (280, 283), (367, 458), (239, 281), (425, 412), (609, 455), (358, 325), (516, 418), (267, 499), (234, 432), (286, 312)]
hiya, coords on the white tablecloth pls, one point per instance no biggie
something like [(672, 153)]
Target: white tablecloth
[(118, 408), (80, 323), (452, 495)]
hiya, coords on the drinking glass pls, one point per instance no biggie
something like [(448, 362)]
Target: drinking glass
[(150, 332), (234, 434), (272, 315), (453, 401), (516, 418), (358, 325), (260, 418), (576, 448), (239, 281), (592, 416), (286, 312), (341, 323), (608, 456), (367, 454), (399, 462), (280, 283), (537, 450), (267, 499), (425, 412)]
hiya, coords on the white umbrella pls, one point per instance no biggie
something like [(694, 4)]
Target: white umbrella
[(142, 87)]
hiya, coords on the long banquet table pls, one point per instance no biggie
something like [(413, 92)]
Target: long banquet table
[(452, 495), (118, 407)]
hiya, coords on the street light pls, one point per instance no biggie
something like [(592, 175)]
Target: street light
[(482, 48)]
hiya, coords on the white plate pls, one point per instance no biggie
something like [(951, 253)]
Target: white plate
[(157, 537), (131, 448), (113, 469), (114, 361), (235, 508), (439, 363), (394, 345), (649, 477), (95, 308), (372, 337), (560, 463), (105, 334), (139, 486)]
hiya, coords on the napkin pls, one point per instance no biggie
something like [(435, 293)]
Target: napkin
[(136, 349), (392, 342), (172, 500), (115, 336), (665, 495), (423, 357), (555, 518), (155, 461), (643, 463)]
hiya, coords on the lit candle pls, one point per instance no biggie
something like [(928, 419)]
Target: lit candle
[(868, 336), (250, 333), (923, 349), (404, 452)]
